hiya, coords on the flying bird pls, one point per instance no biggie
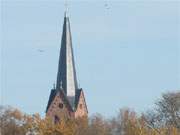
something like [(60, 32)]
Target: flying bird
[(40, 50), (106, 6)]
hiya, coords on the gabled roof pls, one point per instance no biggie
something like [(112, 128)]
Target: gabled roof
[(51, 98), (63, 97), (78, 94)]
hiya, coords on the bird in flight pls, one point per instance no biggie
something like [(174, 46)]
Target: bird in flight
[(106, 6), (40, 50)]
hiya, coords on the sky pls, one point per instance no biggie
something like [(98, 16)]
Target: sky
[(127, 53)]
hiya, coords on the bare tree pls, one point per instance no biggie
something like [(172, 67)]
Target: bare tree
[(169, 109), (166, 114)]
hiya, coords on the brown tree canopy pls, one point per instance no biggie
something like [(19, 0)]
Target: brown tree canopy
[(163, 120)]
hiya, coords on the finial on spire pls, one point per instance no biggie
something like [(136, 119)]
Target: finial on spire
[(66, 7)]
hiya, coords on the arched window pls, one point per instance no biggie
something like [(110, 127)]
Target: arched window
[(56, 119)]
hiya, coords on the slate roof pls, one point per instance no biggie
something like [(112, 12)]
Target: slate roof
[(66, 75), (51, 97), (78, 93)]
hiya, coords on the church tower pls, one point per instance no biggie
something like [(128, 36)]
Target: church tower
[(66, 99)]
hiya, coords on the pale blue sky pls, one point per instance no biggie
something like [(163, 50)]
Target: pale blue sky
[(126, 56)]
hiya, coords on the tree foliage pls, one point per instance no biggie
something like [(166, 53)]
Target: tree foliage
[(163, 120)]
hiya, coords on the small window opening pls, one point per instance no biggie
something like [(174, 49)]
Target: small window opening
[(61, 105), (56, 119)]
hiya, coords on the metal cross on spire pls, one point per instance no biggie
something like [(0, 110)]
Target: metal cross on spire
[(66, 7)]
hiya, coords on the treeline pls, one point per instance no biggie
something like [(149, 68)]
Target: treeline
[(164, 119)]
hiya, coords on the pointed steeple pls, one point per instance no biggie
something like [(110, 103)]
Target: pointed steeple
[(66, 99), (66, 76)]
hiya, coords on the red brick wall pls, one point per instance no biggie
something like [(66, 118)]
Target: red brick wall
[(81, 108)]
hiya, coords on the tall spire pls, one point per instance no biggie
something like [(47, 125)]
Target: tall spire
[(66, 76)]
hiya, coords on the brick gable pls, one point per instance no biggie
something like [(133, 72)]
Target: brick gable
[(59, 107), (81, 109)]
